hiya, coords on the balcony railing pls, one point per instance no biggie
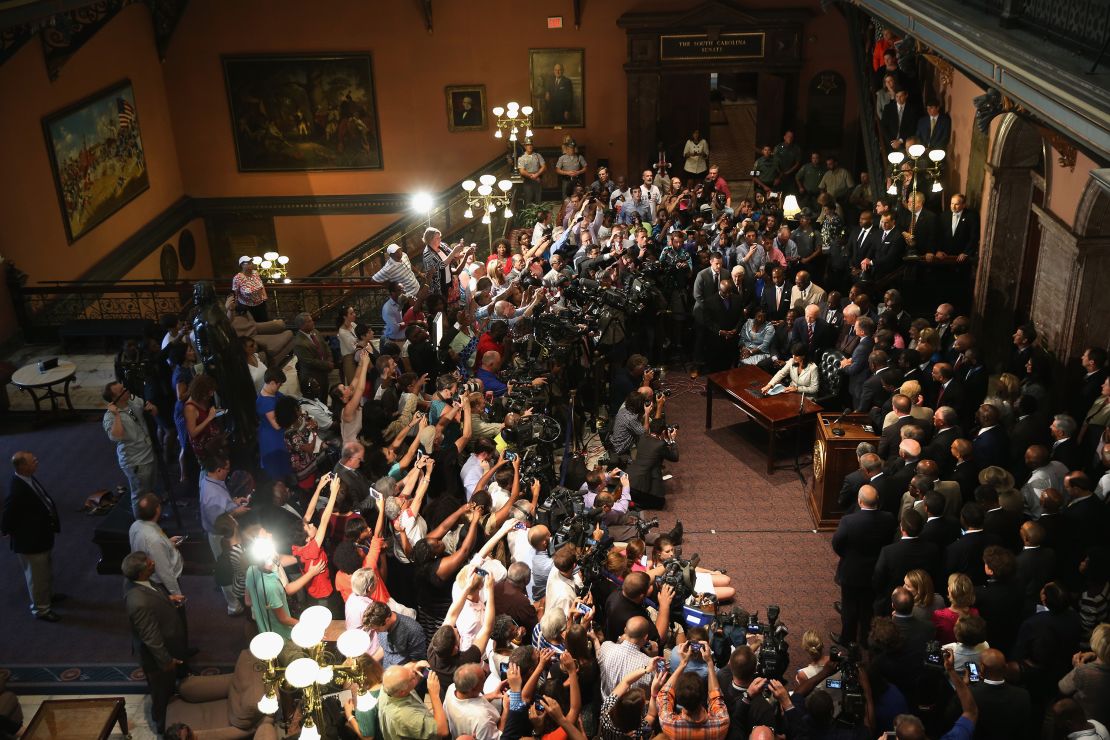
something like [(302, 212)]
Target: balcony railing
[(44, 309)]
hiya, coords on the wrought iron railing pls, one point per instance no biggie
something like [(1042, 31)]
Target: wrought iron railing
[(44, 309), (365, 258)]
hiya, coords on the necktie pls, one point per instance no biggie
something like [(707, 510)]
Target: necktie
[(316, 343), (862, 234), (955, 222), (809, 333), (932, 126), (46, 500)]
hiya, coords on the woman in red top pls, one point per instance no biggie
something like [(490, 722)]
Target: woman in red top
[(493, 339), (961, 596), (502, 255), (200, 413), (312, 551)]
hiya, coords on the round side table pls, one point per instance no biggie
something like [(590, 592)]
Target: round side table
[(42, 386)]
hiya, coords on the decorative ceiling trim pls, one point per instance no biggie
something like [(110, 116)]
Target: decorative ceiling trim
[(165, 14), (68, 32)]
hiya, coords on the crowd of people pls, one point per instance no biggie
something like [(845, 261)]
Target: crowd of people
[(394, 479)]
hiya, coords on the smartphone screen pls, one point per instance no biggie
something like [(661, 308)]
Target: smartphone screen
[(973, 673), (833, 683)]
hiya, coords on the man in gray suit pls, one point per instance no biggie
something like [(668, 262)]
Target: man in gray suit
[(157, 632)]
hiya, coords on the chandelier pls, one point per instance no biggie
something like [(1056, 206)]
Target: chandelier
[(918, 165), (272, 267), (513, 118), (313, 674), (482, 196)]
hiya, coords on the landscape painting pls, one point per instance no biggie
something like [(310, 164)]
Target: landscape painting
[(96, 152), (303, 112)]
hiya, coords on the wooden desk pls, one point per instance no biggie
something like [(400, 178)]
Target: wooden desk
[(78, 719), (773, 413)]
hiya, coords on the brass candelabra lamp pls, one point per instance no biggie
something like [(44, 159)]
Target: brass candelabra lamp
[(517, 121), (482, 196), (918, 165), (313, 674)]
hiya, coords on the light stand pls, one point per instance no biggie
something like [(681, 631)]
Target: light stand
[(483, 197), (517, 121), (918, 165)]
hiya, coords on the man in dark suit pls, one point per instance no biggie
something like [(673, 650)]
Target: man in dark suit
[(722, 319), (1005, 711), (157, 632), (878, 388), (1030, 429), (645, 473), (849, 489), (856, 366), (1036, 564), (349, 471), (1085, 513), (941, 530), (892, 435), (776, 295), (859, 539), (313, 354), (939, 449), (915, 631), (899, 120), (889, 497), (812, 331), (958, 231), (1090, 388), (901, 556), (990, 446), (1064, 447), (888, 250), (921, 226), (999, 600), (706, 285), (946, 389), (861, 243), (31, 520), (1024, 340), (934, 128), (965, 555), (1002, 523)]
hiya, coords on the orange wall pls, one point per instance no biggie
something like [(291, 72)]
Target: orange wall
[(33, 236), (483, 43), (151, 267), (1066, 186), (310, 242), (957, 103)]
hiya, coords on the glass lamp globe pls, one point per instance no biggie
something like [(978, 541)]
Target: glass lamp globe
[(484, 190), (468, 213), (272, 256), (305, 634), (790, 207), (266, 645), (309, 732), (266, 264), (325, 675), (512, 136), (513, 105), (353, 643), (916, 150), (892, 190), (526, 110), (497, 134), (505, 185), (937, 187), (268, 704), (283, 260), (487, 179), (486, 218), (490, 207), (317, 615), (528, 133), (895, 157), (302, 672), (286, 281), (511, 113), (498, 111), (508, 213), (936, 155), (468, 185)]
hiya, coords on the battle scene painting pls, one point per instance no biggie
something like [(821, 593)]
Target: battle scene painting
[(303, 112), (96, 152)]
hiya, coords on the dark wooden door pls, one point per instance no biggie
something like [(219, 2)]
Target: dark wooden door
[(683, 107), (770, 109)]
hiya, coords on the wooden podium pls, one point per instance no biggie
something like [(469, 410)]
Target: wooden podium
[(834, 457)]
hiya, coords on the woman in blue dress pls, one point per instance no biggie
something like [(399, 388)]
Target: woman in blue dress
[(271, 437)]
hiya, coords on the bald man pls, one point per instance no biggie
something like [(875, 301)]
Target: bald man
[(401, 712), (468, 711), (859, 539), (812, 331), (1004, 710), (31, 520)]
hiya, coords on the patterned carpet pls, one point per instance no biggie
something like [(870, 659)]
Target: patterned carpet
[(754, 525)]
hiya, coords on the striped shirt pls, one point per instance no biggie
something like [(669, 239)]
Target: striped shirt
[(400, 272)]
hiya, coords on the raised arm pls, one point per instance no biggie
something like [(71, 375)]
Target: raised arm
[(422, 487), (311, 508), (487, 476), (357, 389), (458, 604), (325, 518), (502, 514), (450, 565), (467, 429), (529, 689), (482, 639)]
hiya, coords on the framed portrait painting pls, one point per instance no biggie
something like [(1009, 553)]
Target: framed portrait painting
[(558, 81), (466, 107), (96, 153), (298, 112)]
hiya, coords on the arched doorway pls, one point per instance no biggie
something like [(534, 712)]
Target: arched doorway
[(1008, 256), (1092, 227)]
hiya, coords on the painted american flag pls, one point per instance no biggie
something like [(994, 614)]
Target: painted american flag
[(126, 115)]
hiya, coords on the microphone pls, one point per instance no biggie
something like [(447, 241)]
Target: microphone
[(801, 403), (839, 432)]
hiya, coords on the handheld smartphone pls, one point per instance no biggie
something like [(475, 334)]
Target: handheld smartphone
[(482, 572), (503, 670), (539, 705), (660, 666), (973, 673), (834, 683), (583, 608), (695, 647), (510, 456)]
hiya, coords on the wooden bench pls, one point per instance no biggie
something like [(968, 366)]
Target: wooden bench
[(111, 331)]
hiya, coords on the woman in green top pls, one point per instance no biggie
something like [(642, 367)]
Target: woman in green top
[(364, 723)]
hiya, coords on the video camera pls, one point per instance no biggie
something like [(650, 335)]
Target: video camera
[(774, 654), (853, 705)]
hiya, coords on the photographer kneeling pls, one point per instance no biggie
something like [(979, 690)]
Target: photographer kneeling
[(645, 473)]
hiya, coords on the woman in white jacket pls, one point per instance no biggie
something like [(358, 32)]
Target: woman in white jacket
[(802, 372)]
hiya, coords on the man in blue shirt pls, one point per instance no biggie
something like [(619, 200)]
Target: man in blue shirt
[(491, 364), (401, 638)]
